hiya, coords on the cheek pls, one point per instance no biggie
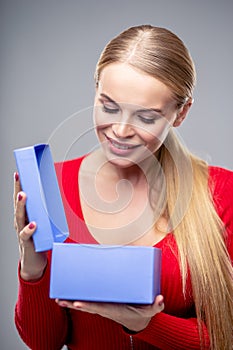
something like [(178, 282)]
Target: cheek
[(96, 116), (163, 132), (157, 135), (102, 119)]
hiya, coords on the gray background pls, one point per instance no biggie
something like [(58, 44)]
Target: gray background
[(48, 52)]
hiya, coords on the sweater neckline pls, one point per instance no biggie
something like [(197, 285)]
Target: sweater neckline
[(159, 244)]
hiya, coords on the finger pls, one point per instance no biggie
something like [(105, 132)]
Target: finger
[(17, 187), (159, 302), (159, 299), (91, 307), (65, 303), (20, 211), (148, 309), (62, 303), (27, 232)]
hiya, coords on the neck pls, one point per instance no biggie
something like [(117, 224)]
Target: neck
[(136, 173)]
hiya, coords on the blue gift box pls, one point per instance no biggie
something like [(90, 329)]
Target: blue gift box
[(44, 204), (102, 273)]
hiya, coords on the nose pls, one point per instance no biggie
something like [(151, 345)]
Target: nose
[(123, 130)]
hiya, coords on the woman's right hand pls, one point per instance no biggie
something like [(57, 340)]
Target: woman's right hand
[(32, 263)]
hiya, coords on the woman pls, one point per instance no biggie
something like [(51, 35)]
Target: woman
[(166, 198)]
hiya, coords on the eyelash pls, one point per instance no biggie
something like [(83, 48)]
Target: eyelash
[(146, 120), (110, 110), (116, 110)]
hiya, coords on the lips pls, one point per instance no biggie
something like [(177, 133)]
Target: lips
[(122, 149), (121, 145)]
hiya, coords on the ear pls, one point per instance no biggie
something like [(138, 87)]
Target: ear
[(182, 113)]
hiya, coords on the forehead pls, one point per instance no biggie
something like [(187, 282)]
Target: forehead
[(127, 85)]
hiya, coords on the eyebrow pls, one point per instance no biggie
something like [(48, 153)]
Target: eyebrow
[(157, 110)]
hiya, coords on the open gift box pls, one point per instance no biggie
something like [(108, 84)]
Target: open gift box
[(91, 272)]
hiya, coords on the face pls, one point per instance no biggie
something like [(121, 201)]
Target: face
[(133, 114)]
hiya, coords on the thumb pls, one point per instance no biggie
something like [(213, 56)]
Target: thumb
[(159, 303)]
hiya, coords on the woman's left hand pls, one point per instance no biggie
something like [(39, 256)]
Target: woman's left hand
[(133, 317)]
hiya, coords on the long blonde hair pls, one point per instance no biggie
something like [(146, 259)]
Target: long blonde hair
[(198, 230)]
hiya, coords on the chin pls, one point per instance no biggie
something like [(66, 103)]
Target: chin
[(121, 162)]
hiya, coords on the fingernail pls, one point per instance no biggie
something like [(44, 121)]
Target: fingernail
[(20, 197), (161, 302), (16, 176), (31, 226), (63, 304), (77, 305)]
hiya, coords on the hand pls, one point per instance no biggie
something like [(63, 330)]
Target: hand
[(32, 263), (135, 318)]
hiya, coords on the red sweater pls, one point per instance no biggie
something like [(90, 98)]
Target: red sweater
[(43, 325)]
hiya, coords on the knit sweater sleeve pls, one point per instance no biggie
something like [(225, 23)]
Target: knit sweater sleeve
[(176, 328), (169, 332), (41, 323)]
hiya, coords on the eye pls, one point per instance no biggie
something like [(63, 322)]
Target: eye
[(147, 120), (110, 109)]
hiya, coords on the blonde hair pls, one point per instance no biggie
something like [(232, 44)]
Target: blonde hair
[(197, 228)]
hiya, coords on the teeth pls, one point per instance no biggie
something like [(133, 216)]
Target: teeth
[(121, 146)]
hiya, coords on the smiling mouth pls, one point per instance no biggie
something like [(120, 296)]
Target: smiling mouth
[(119, 145)]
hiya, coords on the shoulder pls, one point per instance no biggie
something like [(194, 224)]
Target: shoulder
[(67, 169), (220, 173), (221, 186), (221, 181), (67, 176), (69, 164)]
